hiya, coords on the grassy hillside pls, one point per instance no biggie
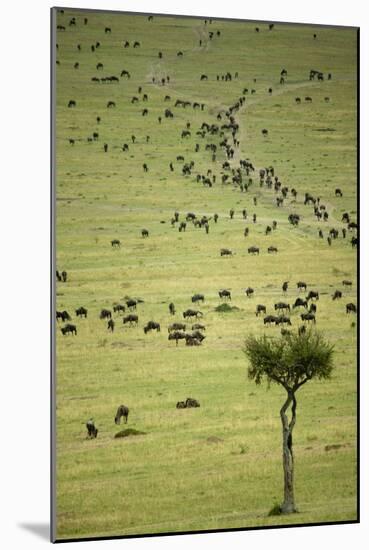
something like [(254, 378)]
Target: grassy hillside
[(217, 466)]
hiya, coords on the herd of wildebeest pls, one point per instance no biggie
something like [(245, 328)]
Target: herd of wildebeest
[(219, 137)]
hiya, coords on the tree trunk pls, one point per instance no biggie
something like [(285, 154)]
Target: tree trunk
[(288, 505)]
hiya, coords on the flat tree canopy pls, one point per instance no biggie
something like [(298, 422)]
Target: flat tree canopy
[(290, 361)]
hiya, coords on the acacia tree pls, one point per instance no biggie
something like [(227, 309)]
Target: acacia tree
[(290, 361)]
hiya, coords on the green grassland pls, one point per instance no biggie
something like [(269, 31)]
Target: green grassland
[(218, 466)]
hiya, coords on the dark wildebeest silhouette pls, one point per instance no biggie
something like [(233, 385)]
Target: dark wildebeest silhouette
[(249, 291), (192, 313), (197, 298), (203, 77), (190, 402), (131, 319), (145, 112), (260, 309), (152, 325), (172, 309), (298, 99), (176, 326), (99, 66), (312, 295), (336, 295), (72, 103), (351, 308), (145, 167), (69, 329), (111, 325), (253, 250), (63, 315), (338, 192), (118, 308), (115, 243), (347, 283), (300, 302), (301, 285), (308, 317), (225, 294), (246, 232), (107, 30), (269, 319), (177, 335), (264, 132), (198, 327), (110, 104), (225, 252), (354, 242), (91, 429), (105, 314), (105, 147), (121, 411), (283, 319), (302, 330), (144, 233), (64, 276), (281, 306), (272, 249), (312, 308), (285, 286), (125, 73), (81, 312), (131, 303), (181, 405)]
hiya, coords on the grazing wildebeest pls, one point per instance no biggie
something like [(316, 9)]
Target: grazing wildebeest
[(298, 99), (301, 330), (118, 308), (144, 233), (172, 308), (91, 429), (269, 319), (352, 225), (300, 302), (69, 328), (285, 286), (283, 319), (176, 326), (181, 405), (111, 325), (282, 306), (115, 243), (351, 308), (131, 319), (198, 327), (190, 402), (182, 227), (312, 308), (249, 291), (131, 303), (246, 232), (177, 335), (107, 30), (253, 250), (225, 252), (72, 103), (121, 411), (301, 285), (347, 283), (336, 295), (216, 216), (81, 312), (272, 249), (99, 66), (312, 295), (105, 314), (152, 325), (308, 317), (110, 104), (354, 242), (197, 298), (308, 99), (320, 233), (203, 77), (260, 309), (136, 44), (192, 341), (145, 112), (64, 276), (58, 276), (197, 335), (192, 313), (145, 167), (338, 192), (76, 65), (145, 97), (105, 147), (231, 213), (63, 315), (125, 73), (225, 294), (268, 230)]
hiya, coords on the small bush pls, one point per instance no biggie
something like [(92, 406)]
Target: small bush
[(226, 308)]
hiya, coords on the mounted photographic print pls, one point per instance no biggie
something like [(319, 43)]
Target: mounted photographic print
[(204, 274)]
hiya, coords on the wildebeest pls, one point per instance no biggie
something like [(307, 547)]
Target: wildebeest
[(177, 335), (111, 325), (269, 319), (152, 325), (300, 302), (131, 303), (282, 306), (69, 328), (115, 243), (308, 317), (351, 308), (197, 327), (72, 103), (301, 285), (131, 319), (283, 319), (190, 402), (336, 295), (176, 326), (105, 314), (264, 132), (172, 308), (338, 192), (312, 295), (144, 233), (182, 227), (81, 312), (145, 167), (312, 308), (354, 242), (203, 77), (121, 411), (58, 276), (225, 294), (253, 250), (110, 104), (260, 309), (301, 330), (91, 429), (63, 315), (192, 313), (347, 283), (197, 298), (249, 291), (181, 405), (272, 249), (118, 308), (226, 252), (285, 286)]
